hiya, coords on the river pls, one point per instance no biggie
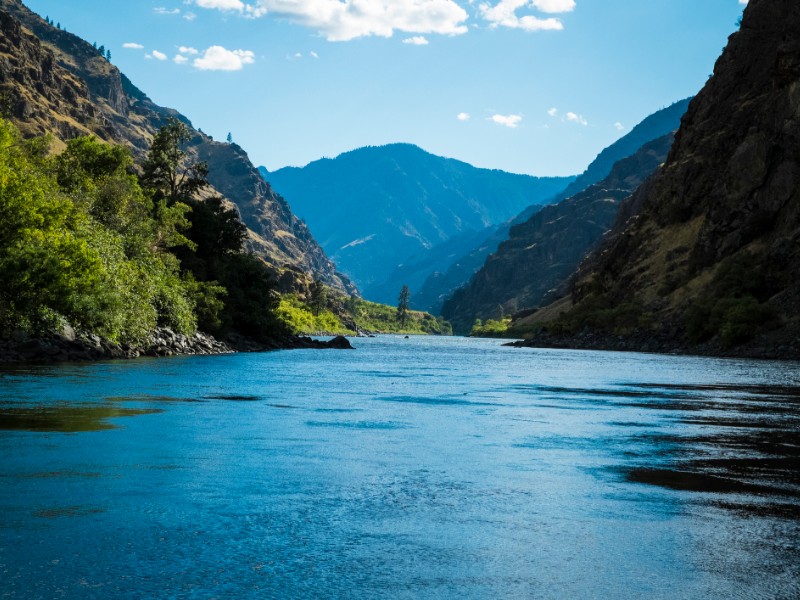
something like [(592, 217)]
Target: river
[(408, 468)]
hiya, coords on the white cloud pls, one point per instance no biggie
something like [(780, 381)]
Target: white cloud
[(190, 16), (298, 55), (237, 5), (160, 10), (463, 116), (343, 20), (217, 58), (180, 59), (554, 6), (132, 46), (157, 55), (576, 118), (504, 14), (417, 40), (619, 126), (313, 54), (511, 121), (743, 1), (552, 112), (188, 50)]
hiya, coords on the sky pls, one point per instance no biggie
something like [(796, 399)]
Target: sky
[(527, 86)]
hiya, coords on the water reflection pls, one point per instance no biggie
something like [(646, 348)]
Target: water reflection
[(65, 419), (742, 441)]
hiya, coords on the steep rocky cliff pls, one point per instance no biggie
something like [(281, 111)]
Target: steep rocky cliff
[(660, 123), (442, 284), (709, 256), (532, 267), (374, 208), (53, 82)]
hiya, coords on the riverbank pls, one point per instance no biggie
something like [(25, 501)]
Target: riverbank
[(772, 347), (72, 346)]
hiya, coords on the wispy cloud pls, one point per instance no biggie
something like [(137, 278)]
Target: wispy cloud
[(339, 20), (504, 14), (576, 118), (511, 121), (132, 46), (619, 126), (462, 116), (188, 50), (217, 58), (236, 5), (157, 55), (552, 112), (180, 59), (160, 10)]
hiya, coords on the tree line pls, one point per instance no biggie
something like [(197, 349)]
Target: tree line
[(86, 241)]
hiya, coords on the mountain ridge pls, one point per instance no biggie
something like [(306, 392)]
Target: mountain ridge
[(374, 207), (533, 265)]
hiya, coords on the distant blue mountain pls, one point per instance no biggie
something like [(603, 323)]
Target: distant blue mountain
[(376, 208)]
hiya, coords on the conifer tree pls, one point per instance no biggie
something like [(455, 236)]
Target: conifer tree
[(402, 306), (319, 297)]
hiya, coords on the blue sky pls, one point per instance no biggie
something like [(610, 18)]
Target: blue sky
[(528, 86)]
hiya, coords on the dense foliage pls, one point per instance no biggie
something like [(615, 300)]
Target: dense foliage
[(346, 316), (82, 242), (734, 306), (491, 328), (381, 318)]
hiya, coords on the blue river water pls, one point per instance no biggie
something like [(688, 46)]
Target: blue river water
[(408, 468)]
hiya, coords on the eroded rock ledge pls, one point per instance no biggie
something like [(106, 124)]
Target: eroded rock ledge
[(71, 346)]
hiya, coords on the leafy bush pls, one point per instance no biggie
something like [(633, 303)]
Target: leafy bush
[(733, 320), (491, 328), (733, 308), (600, 314), (381, 318), (300, 318)]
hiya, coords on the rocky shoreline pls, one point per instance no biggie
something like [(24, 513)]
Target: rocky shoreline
[(652, 342), (72, 346)]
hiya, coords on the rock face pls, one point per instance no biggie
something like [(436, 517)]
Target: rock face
[(711, 249), (441, 285), (53, 82), (659, 124), (531, 268), (20, 347), (374, 208)]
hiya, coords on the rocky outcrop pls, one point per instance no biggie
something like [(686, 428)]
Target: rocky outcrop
[(711, 249), (532, 267), (373, 209), (19, 346), (53, 82), (71, 346)]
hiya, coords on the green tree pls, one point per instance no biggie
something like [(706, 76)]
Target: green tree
[(168, 170), (402, 306), (174, 181), (319, 297), (229, 139)]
